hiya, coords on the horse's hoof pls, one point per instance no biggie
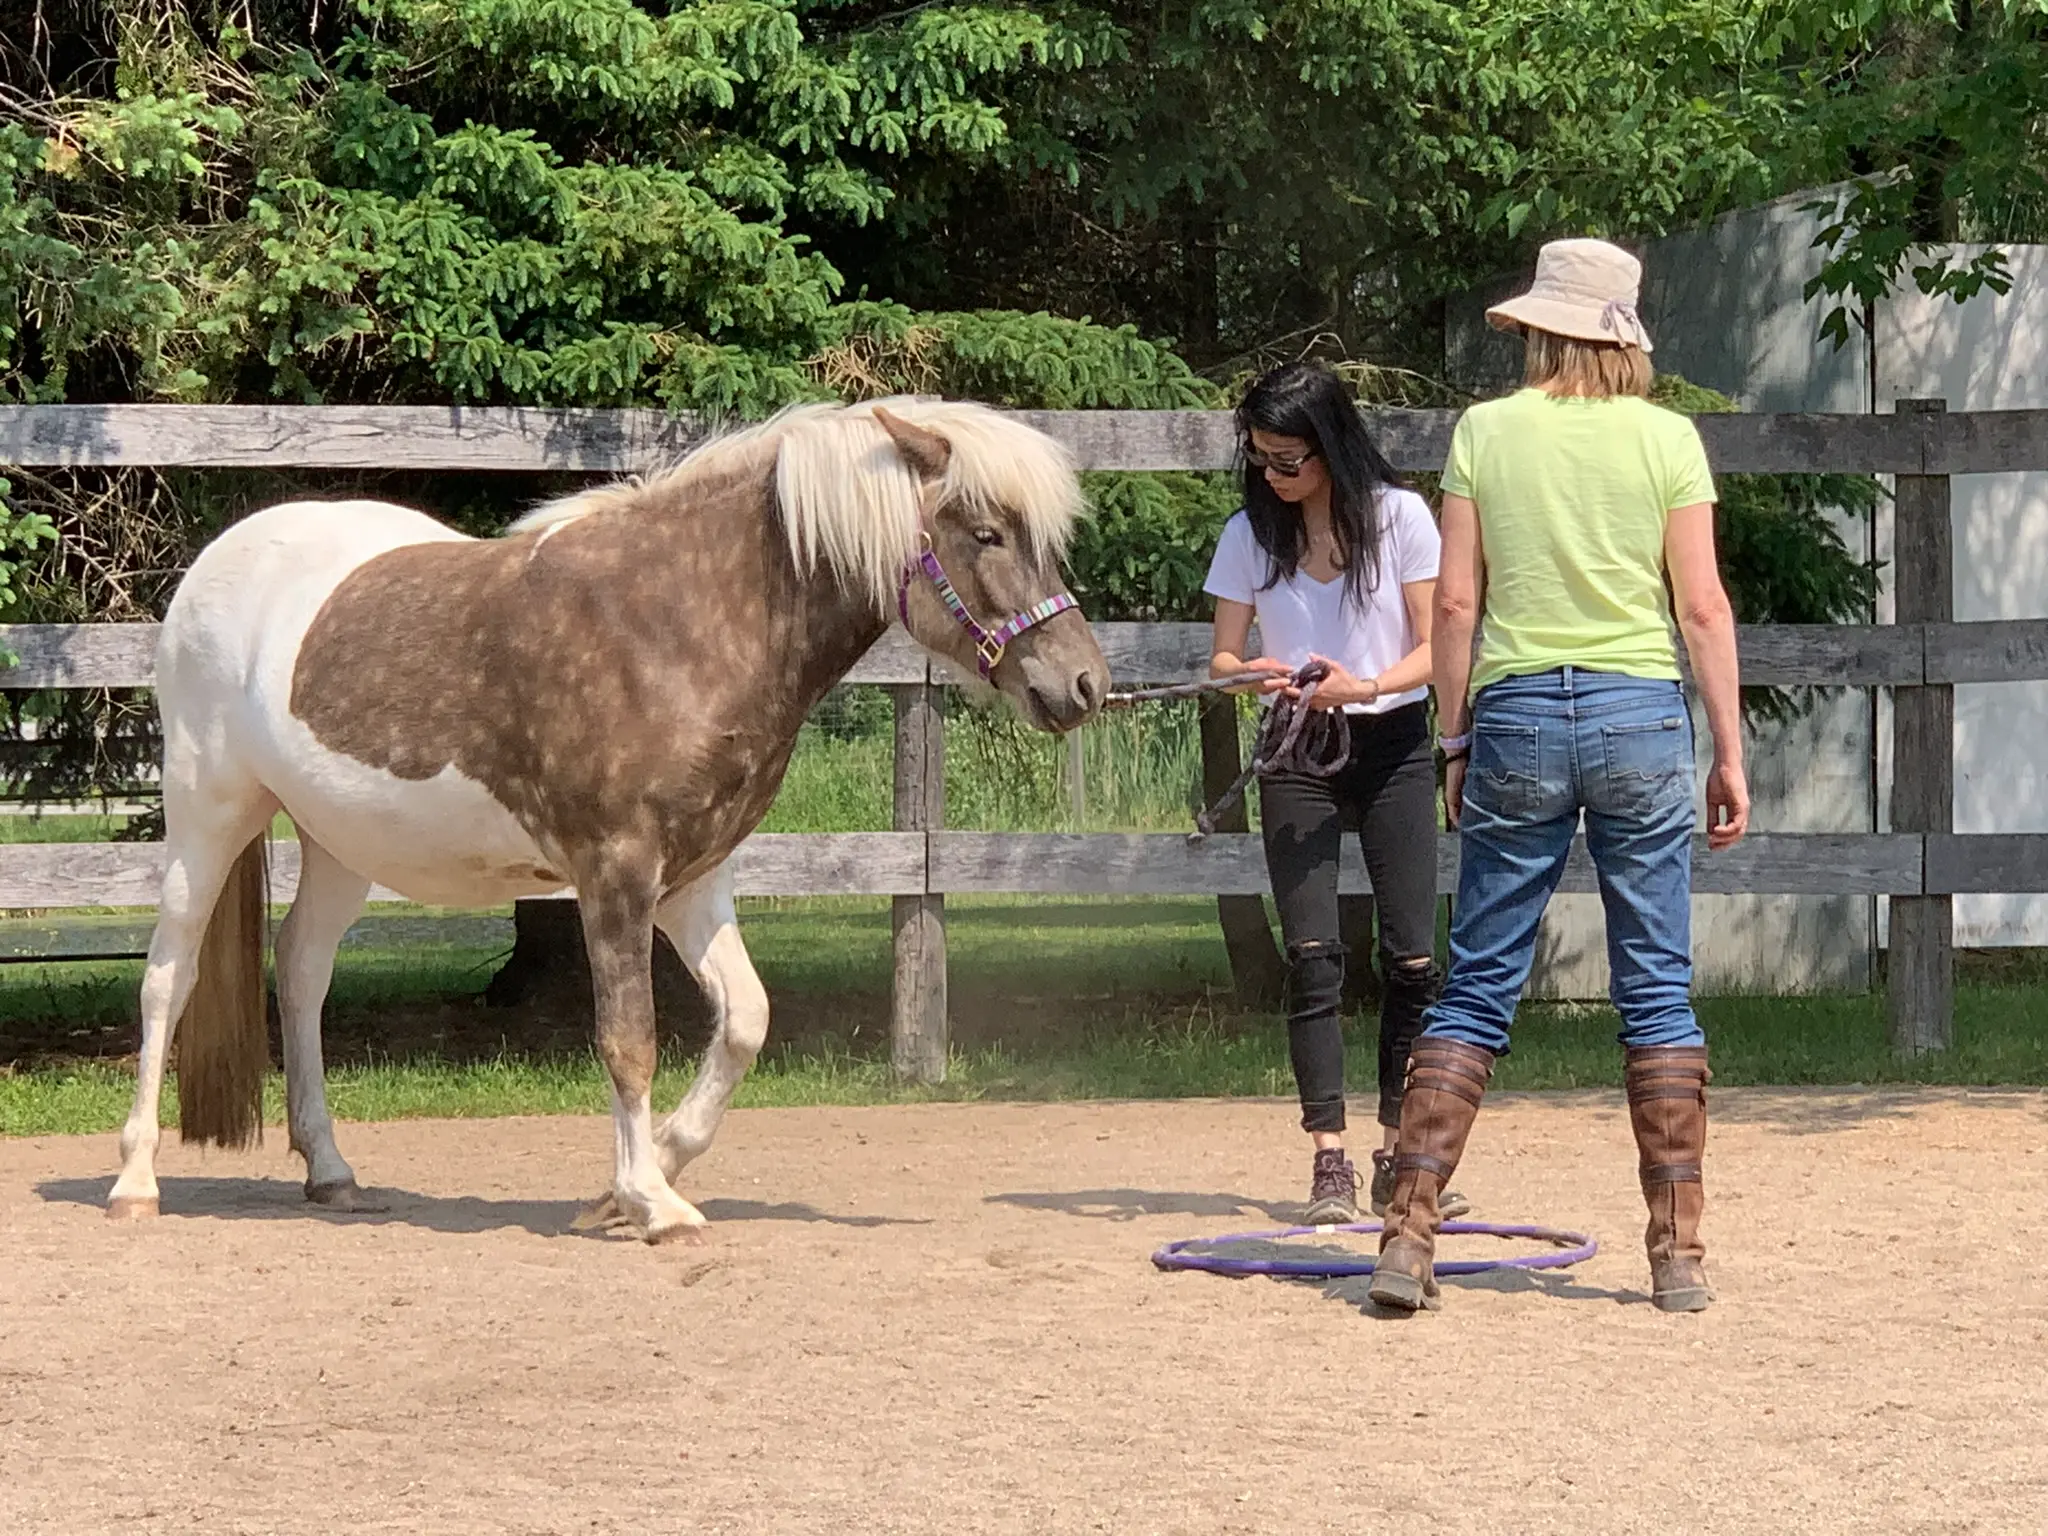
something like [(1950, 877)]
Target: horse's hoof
[(131, 1208), (344, 1195), (601, 1214), (680, 1232)]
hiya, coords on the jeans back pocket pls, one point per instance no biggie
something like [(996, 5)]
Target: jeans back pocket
[(1648, 767), (1505, 774)]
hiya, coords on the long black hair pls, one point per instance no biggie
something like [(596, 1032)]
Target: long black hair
[(1308, 401)]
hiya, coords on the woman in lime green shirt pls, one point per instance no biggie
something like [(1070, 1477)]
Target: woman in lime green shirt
[(1578, 539)]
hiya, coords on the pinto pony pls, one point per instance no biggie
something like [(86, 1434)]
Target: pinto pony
[(606, 697)]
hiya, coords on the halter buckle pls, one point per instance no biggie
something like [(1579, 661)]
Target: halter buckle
[(991, 651)]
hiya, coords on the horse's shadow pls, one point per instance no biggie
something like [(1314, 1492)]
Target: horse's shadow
[(261, 1199)]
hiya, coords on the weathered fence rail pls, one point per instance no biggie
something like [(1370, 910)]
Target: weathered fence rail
[(518, 438), (1780, 655), (1920, 865)]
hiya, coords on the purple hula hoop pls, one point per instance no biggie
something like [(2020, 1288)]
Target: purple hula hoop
[(1574, 1248)]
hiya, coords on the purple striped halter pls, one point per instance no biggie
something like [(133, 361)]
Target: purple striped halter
[(989, 644)]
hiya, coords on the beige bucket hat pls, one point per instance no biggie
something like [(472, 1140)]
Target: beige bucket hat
[(1584, 289)]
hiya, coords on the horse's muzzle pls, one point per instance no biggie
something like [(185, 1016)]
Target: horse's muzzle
[(1062, 698)]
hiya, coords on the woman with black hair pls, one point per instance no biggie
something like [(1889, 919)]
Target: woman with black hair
[(1337, 563)]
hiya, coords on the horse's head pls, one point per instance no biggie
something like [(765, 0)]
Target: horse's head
[(985, 592)]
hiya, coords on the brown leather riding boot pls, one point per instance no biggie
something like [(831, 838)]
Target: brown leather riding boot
[(1667, 1105), (1446, 1081)]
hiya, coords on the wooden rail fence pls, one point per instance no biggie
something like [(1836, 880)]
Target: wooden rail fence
[(1920, 865)]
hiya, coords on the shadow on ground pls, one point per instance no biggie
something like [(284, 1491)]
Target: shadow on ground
[(258, 1199), (1131, 1204), (1817, 1110), (1351, 1290)]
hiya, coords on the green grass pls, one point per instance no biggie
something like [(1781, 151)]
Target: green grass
[(1077, 999), (1206, 1054), (55, 828), (1141, 769)]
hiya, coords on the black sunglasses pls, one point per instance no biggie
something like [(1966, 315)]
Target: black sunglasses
[(1287, 469)]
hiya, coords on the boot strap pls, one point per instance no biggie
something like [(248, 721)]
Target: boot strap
[(1670, 1173), (1425, 1054), (1455, 1087), (1667, 1074), (1448, 1066), (1422, 1162), (1643, 1093)]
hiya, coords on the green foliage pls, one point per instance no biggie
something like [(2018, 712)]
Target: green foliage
[(1932, 110), (1042, 360), (20, 534), (537, 201), (1782, 553), (546, 200), (1144, 553), (1783, 557), (1323, 172), (1241, 171)]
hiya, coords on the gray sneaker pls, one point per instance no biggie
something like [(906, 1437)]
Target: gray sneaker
[(1450, 1204), (1332, 1191)]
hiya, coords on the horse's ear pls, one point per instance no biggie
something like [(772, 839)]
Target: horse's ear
[(923, 450)]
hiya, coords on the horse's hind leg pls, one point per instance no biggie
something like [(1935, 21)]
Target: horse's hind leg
[(700, 922), (204, 833), (330, 896), (618, 932)]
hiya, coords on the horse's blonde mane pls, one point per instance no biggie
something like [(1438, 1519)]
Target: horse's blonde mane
[(845, 494)]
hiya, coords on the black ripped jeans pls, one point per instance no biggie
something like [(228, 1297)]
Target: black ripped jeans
[(1387, 791)]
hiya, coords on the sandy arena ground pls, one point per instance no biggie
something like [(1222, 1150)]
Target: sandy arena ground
[(944, 1319)]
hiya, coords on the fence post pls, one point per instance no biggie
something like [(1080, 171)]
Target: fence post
[(917, 1021), (1257, 972), (1922, 959)]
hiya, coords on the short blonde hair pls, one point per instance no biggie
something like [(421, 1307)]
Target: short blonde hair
[(1598, 370)]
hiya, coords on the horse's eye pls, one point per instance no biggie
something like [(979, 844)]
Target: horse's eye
[(988, 538)]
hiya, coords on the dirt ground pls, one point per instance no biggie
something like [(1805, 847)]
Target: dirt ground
[(944, 1318)]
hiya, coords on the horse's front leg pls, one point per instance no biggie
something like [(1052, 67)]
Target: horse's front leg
[(700, 922), (618, 933)]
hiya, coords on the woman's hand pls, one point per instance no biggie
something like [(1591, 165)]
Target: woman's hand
[(1276, 677), (1454, 791), (1339, 688), (1727, 804)]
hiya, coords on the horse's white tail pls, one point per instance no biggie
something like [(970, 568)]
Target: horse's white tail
[(223, 1036)]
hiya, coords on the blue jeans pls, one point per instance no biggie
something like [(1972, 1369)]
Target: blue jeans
[(1545, 747)]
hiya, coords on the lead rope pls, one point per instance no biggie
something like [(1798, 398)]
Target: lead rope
[(1294, 737)]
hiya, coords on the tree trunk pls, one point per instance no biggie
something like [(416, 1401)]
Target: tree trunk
[(1256, 969), (1199, 312)]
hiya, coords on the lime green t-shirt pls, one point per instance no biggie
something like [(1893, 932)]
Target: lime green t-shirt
[(1572, 496)]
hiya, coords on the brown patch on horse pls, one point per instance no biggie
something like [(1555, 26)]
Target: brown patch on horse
[(621, 947), (638, 673)]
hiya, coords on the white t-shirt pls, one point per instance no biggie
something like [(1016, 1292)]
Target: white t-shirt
[(1299, 615)]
